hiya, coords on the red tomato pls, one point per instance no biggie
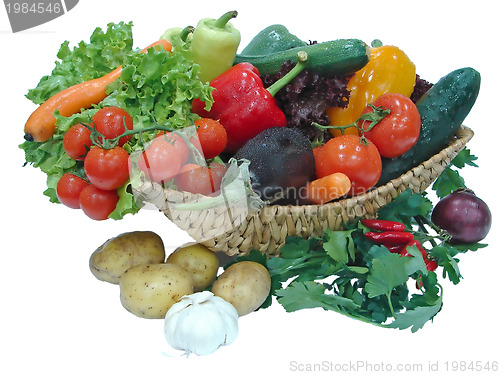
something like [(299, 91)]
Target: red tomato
[(109, 121), (399, 130), (68, 189), (160, 161), (212, 136), (107, 169), (196, 179), (179, 144), (348, 154), (97, 203), (76, 141)]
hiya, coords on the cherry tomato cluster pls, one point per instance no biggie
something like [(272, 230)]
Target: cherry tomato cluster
[(359, 154), (105, 169), (166, 158), (392, 235)]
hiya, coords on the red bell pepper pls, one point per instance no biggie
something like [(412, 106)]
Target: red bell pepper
[(243, 105)]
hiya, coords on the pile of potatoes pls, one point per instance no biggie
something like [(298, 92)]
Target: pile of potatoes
[(150, 284)]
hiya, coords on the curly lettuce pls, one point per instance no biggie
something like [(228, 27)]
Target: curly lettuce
[(105, 51)]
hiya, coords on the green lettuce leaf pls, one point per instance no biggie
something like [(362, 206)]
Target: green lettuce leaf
[(157, 87), (105, 51)]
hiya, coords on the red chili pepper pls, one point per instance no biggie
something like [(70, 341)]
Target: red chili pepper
[(419, 246), (396, 249), (431, 264), (390, 238), (243, 105), (384, 225)]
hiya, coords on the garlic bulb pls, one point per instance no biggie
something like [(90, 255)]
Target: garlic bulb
[(200, 323)]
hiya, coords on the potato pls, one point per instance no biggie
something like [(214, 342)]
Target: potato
[(110, 260), (245, 285), (201, 262), (148, 291)]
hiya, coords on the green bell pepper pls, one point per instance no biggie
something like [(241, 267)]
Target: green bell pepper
[(272, 39)]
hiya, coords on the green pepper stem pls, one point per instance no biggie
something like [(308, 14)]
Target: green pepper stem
[(225, 18), (185, 32), (283, 81)]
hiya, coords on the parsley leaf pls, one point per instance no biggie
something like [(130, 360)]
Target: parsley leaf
[(390, 270), (445, 259), (406, 206), (304, 259), (450, 179), (464, 158), (422, 307), (307, 295), (339, 245), (417, 317)]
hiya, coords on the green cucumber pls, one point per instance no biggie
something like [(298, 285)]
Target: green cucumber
[(442, 110), (272, 39), (337, 57)]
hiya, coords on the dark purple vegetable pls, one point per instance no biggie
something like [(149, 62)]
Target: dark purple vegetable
[(465, 217), (281, 161), (421, 87)]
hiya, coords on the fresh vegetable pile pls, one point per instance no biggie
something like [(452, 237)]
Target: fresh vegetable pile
[(308, 123)]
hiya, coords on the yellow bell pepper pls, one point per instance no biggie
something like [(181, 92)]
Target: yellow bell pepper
[(389, 70)]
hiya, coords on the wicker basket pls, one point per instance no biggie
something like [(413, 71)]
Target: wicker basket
[(267, 229)]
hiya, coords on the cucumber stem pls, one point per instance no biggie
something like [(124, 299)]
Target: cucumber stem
[(225, 18), (283, 81)]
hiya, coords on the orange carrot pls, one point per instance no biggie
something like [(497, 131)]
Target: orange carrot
[(328, 188), (41, 124)]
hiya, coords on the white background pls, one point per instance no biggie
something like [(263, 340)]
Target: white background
[(56, 318)]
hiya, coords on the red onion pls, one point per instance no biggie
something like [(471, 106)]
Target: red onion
[(465, 217)]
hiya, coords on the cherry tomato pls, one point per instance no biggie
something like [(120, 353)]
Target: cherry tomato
[(107, 169), (97, 203), (349, 154), (196, 179), (399, 130), (68, 189), (160, 161), (212, 136), (109, 121), (179, 144), (76, 141)]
